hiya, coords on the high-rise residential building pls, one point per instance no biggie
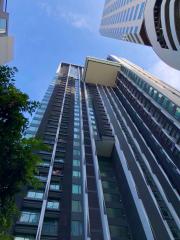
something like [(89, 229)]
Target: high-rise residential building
[(113, 169), (148, 22), (6, 42)]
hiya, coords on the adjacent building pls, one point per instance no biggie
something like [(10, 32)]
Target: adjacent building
[(113, 169), (6, 42), (149, 22)]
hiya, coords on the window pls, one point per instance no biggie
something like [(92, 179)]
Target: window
[(29, 217), (111, 197), (165, 102), (41, 178), (3, 25), (131, 14), (33, 129), (24, 238), (141, 10), (109, 185), (76, 174), (76, 136), (177, 113), (76, 110), (76, 163), (171, 107), (135, 13), (76, 189), (159, 99), (136, 29), (55, 187), (115, 213), (76, 130), (36, 121), (76, 153), (155, 92), (50, 227), (76, 124), (53, 204), (35, 195), (45, 164), (76, 206), (59, 160), (76, 144), (95, 133), (76, 228), (118, 231)]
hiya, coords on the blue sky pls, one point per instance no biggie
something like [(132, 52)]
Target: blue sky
[(47, 32)]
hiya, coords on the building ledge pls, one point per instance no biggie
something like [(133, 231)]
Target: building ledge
[(101, 72)]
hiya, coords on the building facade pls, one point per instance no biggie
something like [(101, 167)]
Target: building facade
[(113, 169), (148, 22), (6, 42)]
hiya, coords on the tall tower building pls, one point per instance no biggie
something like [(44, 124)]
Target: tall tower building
[(113, 169), (6, 42), (149, 22)]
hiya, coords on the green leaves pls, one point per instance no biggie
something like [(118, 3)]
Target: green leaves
[(18, 158)]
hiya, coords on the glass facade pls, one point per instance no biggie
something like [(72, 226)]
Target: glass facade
[(39, 113), (162, 100), (77, 156), (35, 195), (29, 217), (3, 25), (122, 19)]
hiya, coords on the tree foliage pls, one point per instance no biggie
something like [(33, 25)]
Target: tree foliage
[(18, 155)]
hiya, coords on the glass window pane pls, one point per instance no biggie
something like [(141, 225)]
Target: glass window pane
[(29, 217), (165, 102), (177, 113), (111, 197), (118, 231), (115, 213), (76, 206), (76, 174), (53, 204), (3, 23), (76, 144), (76, 130), (76, 189), (76, 163), (33, 218), (50, 227), (59, 160), (171, 107), (24, 238), (55, 187), (76, 136), (76, 153), (76, 228), (45, 164)]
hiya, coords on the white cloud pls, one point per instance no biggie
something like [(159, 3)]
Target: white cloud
[(56, 11), (166, 74), (75, 19), (46, 8)]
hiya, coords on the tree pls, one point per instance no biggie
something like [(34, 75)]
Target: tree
[(18, 155)]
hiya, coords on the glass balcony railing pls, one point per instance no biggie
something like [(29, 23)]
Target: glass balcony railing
[(3, 26)]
